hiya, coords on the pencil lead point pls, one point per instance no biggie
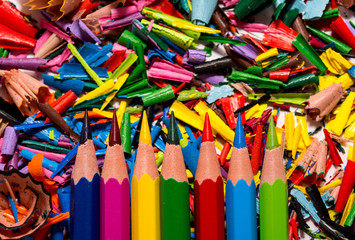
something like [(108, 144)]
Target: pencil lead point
[(86, 129), (173, 136), (207, 135), (115, 135), (271, 141), (145, 132), (239, 138)]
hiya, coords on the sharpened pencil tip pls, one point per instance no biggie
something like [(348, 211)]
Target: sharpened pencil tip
[(207, 135), (173, 136), (239, 138), (271, 141), (115, 135), (145, 132), (86, 129)]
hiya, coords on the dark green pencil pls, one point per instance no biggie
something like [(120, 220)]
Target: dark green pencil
[(174, 190)]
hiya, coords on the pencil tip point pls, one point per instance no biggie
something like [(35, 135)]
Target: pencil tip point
[(173, 136), (207, 135), (145, 132), (239, 138), (86, 129), (115, 135), (271, 141)]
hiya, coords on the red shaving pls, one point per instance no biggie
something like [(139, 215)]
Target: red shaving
[(281, 75), (256, 43), (13, 19), (166, 7), (342, 30), (316, 43), (257, 150), (114, 61), (281, 106), (306, 70), (10, 39), (227, 107), (280, 36), (293, 228), (86, 7), (334, 154), (63, 103), (334, 4)]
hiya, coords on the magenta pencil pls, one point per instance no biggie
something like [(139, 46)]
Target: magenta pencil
[(114, 190)]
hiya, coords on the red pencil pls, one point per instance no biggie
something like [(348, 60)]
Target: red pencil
[(209, 197)]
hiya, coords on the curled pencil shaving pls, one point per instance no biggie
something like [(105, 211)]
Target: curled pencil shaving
[(25, 91), (322, 103), (34, 210), (310, 155), (58, 8), (341, 140), (243, 88)]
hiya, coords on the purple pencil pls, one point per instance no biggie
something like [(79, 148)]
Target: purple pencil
[(115, 195)]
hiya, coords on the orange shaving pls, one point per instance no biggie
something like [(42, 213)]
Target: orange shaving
[(56, 219), (36, 170)]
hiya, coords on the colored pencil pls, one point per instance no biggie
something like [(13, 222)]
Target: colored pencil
[(145, 189), (114, 190), (208, 189), (273, 191), (174, 189), (85, 199), (240, 191)]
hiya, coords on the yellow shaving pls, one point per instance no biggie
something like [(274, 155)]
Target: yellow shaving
[(347, 209), (196, 28), (51, 135), (120, 112), (260, 112), (346, 80), (326, 80), (333, 184), (103, 89), (108, 114), (335, 63), (350, 131), (303, 122), (120, 81), (218, 126), (337, 125), (186, 115), (296, 140), (272, 52), (249, 113), (289, 128)]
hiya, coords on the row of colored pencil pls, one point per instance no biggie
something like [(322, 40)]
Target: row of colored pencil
[(160, 206)]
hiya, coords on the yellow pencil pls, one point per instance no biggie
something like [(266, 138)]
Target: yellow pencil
[(145, 189)]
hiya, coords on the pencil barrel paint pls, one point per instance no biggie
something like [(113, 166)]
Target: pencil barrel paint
[(209, 210), (115, 209), (273, 211), (175, 210), (85, 211), (241, 210), (145, 208)]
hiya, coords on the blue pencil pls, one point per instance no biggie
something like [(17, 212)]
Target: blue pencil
[(85, 198), (240, 192)]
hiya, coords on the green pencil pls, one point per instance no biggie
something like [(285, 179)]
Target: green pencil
[(174, 190), (273, 191)]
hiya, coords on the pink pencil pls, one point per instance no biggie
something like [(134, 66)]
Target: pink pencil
[(114, 190)]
